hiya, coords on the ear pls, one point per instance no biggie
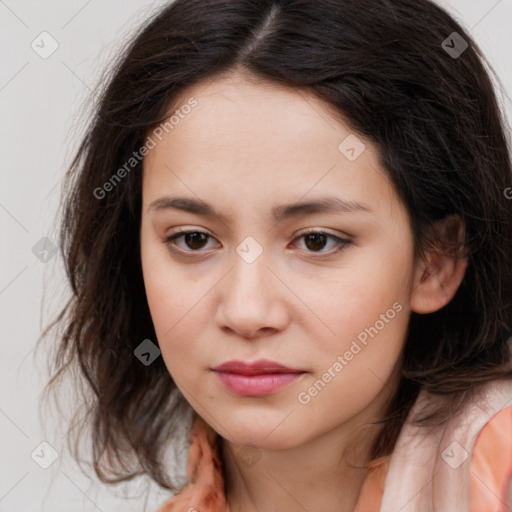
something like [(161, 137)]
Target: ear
[(439, 272)]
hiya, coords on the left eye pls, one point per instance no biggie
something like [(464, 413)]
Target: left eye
[(196, 240), (314, 239)]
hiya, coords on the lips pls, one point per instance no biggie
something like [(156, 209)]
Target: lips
[(257, 368), (259, 378)]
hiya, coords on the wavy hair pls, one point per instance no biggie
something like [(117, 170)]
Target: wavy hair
[(383, 66)]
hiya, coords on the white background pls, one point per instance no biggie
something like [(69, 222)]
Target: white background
[(41, 108)]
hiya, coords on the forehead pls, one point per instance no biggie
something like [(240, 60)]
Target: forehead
[(239, 108), (253, 141)]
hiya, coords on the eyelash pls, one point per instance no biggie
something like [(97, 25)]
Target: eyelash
[(341, 243)]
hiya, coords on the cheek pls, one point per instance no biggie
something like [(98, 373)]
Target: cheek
[(372, 296), (174, 301), (368, 311), (170, 289), (177, 326), (175, 311), (350, 368)]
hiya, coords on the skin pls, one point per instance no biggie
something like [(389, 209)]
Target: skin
[(249, 146)]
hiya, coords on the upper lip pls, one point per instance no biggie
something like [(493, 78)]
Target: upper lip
[(254, 368)]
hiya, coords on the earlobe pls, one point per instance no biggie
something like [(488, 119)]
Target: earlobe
[(439, 273)]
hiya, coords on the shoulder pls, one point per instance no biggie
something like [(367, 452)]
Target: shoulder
[(491, 464)]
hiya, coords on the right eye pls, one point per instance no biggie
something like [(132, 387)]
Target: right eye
[(194, 240)]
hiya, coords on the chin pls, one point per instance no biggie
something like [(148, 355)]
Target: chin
[(265, 431)]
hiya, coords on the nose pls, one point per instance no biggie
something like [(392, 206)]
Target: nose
[(252, 300)]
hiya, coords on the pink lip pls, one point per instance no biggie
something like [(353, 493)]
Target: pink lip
[(260, 378)]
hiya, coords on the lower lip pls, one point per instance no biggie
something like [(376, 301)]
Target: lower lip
[(256, 385)]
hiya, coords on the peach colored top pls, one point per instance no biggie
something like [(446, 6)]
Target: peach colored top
[(489, 468)]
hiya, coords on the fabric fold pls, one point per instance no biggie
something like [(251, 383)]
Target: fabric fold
[(205, 488), (429, 471)]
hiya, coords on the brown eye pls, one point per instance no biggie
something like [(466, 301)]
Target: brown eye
[(315, 241), (194, 241)]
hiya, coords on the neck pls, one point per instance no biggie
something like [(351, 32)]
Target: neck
[(326, 473)]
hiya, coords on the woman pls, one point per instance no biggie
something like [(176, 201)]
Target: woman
[(353, 378)]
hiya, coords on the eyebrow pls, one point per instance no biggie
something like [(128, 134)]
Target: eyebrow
[(330, 204)]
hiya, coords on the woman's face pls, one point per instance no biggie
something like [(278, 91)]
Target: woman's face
[(273, 164)]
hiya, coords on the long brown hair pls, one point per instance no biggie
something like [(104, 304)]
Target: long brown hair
[(383, 65)]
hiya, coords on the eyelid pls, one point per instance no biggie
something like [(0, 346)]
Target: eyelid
[(307, 231)]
